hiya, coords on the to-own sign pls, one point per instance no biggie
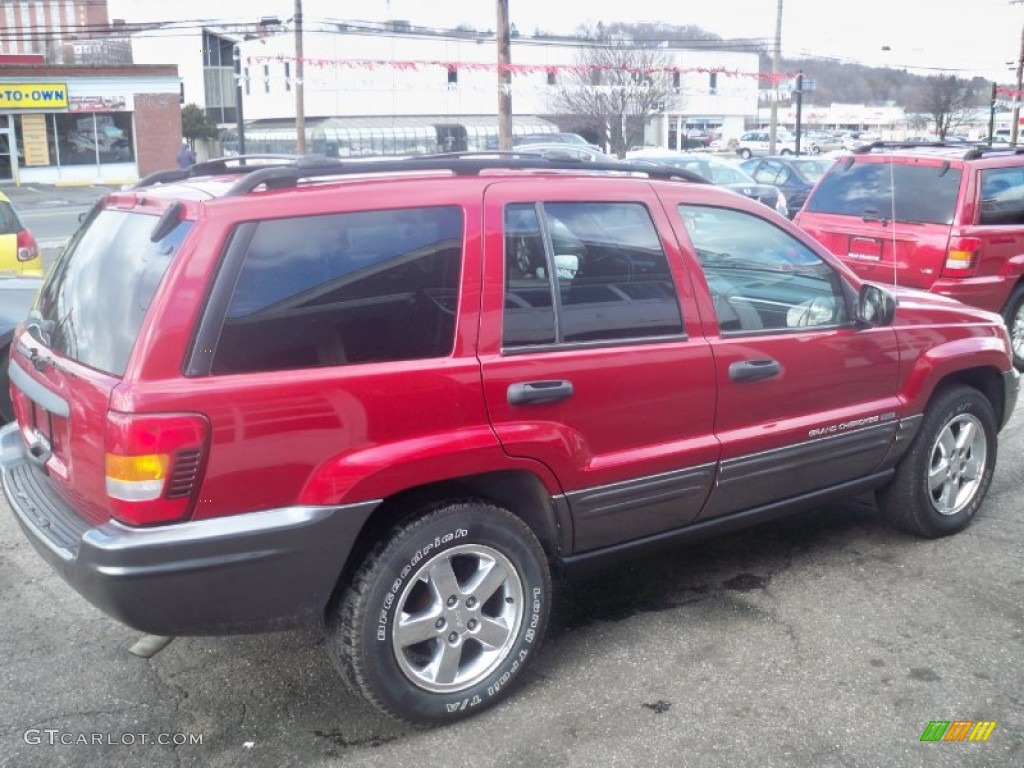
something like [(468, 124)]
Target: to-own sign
[(33, 96)]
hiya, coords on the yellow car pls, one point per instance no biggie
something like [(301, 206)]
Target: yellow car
[(19, 254)]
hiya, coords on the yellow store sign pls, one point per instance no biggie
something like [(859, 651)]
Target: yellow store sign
[(33, 96)]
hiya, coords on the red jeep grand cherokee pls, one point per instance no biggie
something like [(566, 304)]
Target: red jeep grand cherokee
[(393, 397), (943, 218)]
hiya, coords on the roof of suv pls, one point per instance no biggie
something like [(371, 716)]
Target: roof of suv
[(944, 150), (240, 175)]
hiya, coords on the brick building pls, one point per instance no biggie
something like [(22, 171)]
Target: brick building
[(87, 124)]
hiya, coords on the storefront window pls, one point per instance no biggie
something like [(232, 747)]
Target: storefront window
[(95, 137)]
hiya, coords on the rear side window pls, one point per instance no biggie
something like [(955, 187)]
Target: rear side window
[(96, 296), (344, 288), (923, 193), (1002, 196), (585, 272), (9, 224)]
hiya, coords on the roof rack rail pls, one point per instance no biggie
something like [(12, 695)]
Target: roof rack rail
[(972, 151), (217, 167), (459, 164)]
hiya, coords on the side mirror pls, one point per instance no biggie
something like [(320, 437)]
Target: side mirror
[(875, 306)]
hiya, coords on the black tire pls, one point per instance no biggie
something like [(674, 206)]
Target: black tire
[(815, 150), (786, 152), (1013, 314), (432, 574), (744, 153), (942, 480)]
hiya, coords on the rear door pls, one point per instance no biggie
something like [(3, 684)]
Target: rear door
[(600, 372), (998, 223), (806, 400), (888, 220)]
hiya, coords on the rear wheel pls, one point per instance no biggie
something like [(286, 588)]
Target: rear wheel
[(744, 153), (444, 614), (942, 480), (1013, 314), (787, 152)]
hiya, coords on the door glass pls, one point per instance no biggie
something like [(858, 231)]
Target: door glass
[(760, 277)]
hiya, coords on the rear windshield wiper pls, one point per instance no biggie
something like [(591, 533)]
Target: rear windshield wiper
[(872, 214)]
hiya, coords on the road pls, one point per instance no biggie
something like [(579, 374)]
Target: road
[(51, 213), (825, 639)]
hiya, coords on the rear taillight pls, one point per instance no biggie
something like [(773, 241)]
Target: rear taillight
[(154, 465), (962, 257), (27, 247)]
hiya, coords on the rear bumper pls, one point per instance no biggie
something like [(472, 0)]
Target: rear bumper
[(253, 572), (983, 292)]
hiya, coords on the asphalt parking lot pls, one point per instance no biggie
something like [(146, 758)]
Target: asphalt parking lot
[(825, 639)]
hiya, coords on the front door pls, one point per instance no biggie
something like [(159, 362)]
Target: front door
[(806, 399), (592, 356)]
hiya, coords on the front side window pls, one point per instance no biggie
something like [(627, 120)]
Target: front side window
[(585, 272), (889, 191), (343, 289), (760, 277)]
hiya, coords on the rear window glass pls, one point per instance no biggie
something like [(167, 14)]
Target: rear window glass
[(96, 296), (343, 289), (924, 193), (9, 224)]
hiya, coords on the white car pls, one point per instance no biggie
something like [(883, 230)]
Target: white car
[(757, 143)]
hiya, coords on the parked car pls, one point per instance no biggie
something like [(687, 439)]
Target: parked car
[(19, 253), (793, 176), (720, 172), (394, 398), (759, 143), (550, 138), (584, 153), (946, 218), (16, 296), (819, 142)]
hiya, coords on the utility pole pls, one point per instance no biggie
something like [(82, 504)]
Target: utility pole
[(1016, 95), (300, 107), (239, 120), (773, 125), (799, 94), (504, 79)]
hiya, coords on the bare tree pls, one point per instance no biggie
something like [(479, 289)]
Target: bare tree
[(947, 100), (615, 87)]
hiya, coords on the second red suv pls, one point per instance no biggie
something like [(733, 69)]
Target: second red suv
[(395, 397), (944, 218)]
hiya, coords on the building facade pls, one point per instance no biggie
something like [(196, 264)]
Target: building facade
[(87, 124), (399, 92)]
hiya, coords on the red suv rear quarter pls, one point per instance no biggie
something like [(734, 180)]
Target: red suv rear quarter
[(954, 224), (395, 397)]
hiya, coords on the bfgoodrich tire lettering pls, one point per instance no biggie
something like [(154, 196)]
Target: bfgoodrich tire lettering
[(942, 480), (444, 614)]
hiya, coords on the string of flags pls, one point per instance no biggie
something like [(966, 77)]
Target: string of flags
[(512, 69)]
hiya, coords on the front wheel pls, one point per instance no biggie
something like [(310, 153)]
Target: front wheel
[(942, 480), (787, 152), (744, 153), (444, 614), (1013, 314)]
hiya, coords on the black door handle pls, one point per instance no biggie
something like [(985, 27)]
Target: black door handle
[(751, 370), (536, 392)]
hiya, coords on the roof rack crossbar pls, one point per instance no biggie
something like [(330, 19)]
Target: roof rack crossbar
[(218, 167), (460, 164)]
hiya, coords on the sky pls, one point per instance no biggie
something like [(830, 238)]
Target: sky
[(960, 37)]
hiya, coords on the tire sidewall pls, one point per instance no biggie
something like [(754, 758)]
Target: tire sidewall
[(950, 408), (400, 561), (1013, 306)]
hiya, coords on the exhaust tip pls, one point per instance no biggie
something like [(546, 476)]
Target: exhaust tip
[(148, 646)]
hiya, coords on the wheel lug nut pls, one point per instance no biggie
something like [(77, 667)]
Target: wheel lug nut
[(439, 623), (452, 601), (472, 624), (453, 638), (471, 602)]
